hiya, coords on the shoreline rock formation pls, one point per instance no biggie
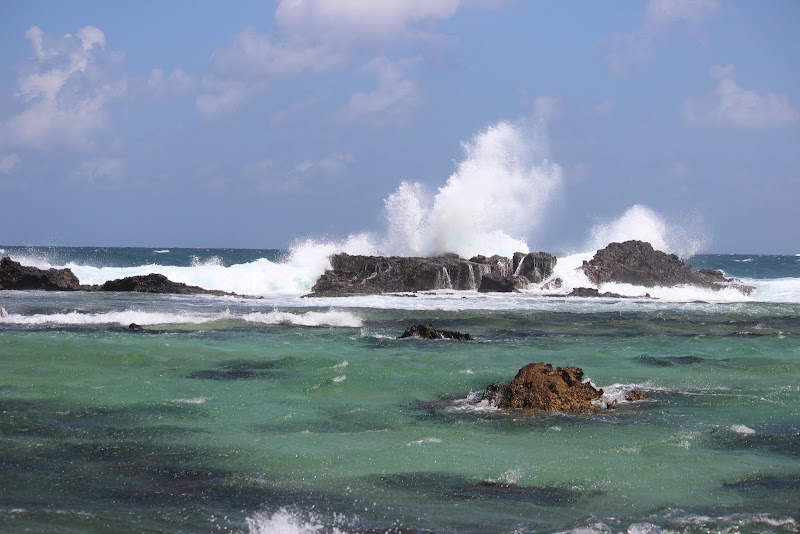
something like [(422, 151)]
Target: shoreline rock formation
[(538, 386), (15, 276), (368, 275), (638, 263)]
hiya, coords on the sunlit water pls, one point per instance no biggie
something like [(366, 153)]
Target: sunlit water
[(292, 414)]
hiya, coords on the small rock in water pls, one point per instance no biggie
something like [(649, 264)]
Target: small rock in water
[(133, 327), (426, 331), (538, 386), (634, 395)]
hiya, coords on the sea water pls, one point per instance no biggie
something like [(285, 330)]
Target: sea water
[(293, 414)]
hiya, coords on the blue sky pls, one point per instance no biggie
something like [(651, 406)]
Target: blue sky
[(254, 124)]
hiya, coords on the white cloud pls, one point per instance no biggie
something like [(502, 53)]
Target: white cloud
[(224, 98), (547, 108), (605, 108), (9, 162), (317, 36), (99, 171), (66, 89), (627, 52), (176, 83), (336, 162), (732, 105), (393, 96)]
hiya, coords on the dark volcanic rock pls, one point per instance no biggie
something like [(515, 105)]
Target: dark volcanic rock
[(13, 275), (494, 282), (427, 331), (353, 275), (155, 283), (637, 263), (538, 387), (592, 292)]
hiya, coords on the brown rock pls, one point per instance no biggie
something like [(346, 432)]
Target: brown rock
[(426, 331), (538, 386)]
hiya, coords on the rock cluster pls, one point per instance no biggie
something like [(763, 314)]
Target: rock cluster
[(637, 263), (426, 331), (359, 275), (538, 386), (13, 275)]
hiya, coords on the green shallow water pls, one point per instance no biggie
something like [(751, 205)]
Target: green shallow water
[(230, 425)]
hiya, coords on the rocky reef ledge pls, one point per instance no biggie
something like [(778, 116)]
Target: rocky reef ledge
[(13, 275), (368, 275), (638, 263)]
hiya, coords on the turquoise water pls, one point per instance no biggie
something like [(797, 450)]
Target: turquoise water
[(291, 414)]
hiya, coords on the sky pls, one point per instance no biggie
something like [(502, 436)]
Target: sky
[(256, 124)]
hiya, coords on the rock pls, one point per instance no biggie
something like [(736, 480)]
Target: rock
[(3, 312), (427, 331), (637, 263), (494, 282), (156, 283), (634, 395), (592, 292), (368, 275), (538, 387), (14, 275), (133, 327)]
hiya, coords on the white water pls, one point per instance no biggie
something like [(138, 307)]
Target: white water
[(495, 201)]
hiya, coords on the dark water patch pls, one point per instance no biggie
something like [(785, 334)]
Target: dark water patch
[(778, 439), (49, 419), (450, 486), (667, 361), (242, 370), (761, 485)]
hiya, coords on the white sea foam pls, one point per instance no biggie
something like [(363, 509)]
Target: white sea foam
[(423, 441), (162, 251), (332, 318), (123, 318), (742, 429), (312, 318), (287, 521)]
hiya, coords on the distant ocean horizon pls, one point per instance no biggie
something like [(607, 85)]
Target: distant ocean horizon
[(292, 414)]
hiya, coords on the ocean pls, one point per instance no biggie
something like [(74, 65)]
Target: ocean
[(307, 415)]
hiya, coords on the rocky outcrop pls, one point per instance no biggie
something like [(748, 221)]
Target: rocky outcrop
[(538, 386), (14, 275), (359, 275), (154, 283), (587, 292), (637, 263), (426, 331)]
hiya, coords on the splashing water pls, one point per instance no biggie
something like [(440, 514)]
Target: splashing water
[(498, 194), (642, 223)]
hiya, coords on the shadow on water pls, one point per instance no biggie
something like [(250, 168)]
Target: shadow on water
[(102, 470), (453, 487), (775, 439), (243, 370)]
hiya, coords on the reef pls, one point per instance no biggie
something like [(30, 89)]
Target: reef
[(15, 276), (638, 263), (426, 331), (538, 386), (368, 275)]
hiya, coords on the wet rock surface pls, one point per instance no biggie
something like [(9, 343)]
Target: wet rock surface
[(14, 275), (426, 331), (538, 386), (367, 275), (638, 263)]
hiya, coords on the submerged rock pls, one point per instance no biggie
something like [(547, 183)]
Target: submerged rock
[(638, 263), (14, 275), (538, 386), (426, 331), (368, 275)]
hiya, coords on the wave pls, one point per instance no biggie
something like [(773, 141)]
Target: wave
[(332, 318), (289, 521)]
